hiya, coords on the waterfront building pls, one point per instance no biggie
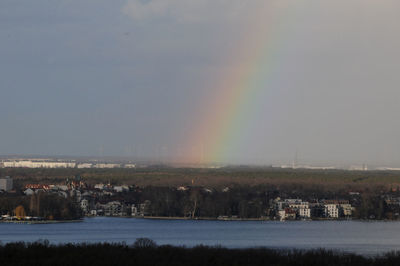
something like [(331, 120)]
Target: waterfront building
[(287, 214), (134, 210), (99, 186), (305, 212), (298, 204), (85, 205), (347, 210), (115, 208), (331, 210)]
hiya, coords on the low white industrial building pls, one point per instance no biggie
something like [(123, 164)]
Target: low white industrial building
[(106, 165), (38, 164), (84, 165)]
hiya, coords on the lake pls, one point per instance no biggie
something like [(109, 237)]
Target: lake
[(367, 238)]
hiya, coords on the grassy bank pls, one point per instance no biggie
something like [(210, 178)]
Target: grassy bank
[(145, 252)]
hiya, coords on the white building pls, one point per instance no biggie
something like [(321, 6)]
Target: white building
[(29, 192), (121, 188), (347, 209), (107, 165), (331, 211), (38, 164), (114, 208), (305, 212), (85, 205), (134, 210), (84, 165), (287, 214), (299, 205), (6, 183), (99, 186), (294, 204)]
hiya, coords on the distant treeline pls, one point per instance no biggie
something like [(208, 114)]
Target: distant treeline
[(334, 180), (146, 252)]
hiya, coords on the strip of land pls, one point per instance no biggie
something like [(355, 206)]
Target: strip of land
[(146, 252), (241, 193)]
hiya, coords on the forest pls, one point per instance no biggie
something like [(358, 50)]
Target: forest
[(333, 180)]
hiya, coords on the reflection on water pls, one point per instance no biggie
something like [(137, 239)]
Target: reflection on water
[(352, 236)]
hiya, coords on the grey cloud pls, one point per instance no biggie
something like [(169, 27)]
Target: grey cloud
[(188, 11), (80, 75)]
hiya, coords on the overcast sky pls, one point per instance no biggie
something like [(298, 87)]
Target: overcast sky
[(128, 77)]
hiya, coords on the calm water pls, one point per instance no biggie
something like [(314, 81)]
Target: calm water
[(361, 237)]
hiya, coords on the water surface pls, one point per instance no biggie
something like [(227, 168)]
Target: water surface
[(366, 238)]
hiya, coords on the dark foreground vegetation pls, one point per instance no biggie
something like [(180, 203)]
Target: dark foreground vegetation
[(146, 252)]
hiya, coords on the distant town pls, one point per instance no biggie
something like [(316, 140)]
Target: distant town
[(91, 201), (35, 190)]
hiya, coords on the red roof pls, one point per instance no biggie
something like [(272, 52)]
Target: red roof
[(37, 186)]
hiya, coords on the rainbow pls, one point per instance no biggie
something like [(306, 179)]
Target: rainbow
[(224, 122)]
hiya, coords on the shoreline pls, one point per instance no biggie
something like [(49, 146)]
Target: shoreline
[(243, 219), (42, 222), (233, 219), (177, 218), (203, 218)]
